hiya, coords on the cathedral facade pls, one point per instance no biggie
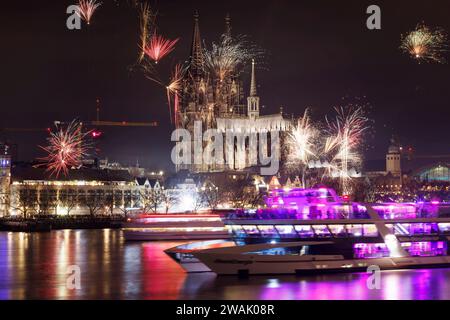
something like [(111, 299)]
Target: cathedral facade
[(220, 103)]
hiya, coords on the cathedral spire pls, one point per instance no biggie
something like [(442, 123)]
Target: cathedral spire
[(196, 59), (228, 25), (253, 82), (253, 99)]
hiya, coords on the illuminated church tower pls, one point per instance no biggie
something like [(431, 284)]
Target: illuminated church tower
[(393, 160), (5, 179), (253, 99)]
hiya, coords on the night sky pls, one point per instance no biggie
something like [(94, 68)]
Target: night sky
[(317, 53)]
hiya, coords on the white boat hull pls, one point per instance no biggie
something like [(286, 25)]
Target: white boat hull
[(248, 264)]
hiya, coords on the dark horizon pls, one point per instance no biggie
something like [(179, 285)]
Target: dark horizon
[(318, 53)]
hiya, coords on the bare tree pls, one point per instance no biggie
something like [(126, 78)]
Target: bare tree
[(93, 202), (209, 196), (26, 200), (46, 202), (152, 199), (169, 200), (68, 199)]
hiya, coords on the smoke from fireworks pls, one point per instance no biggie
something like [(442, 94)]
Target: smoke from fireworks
[(231, 53), (425, 44), (158, 47), (301, 143), (86, 9), (66, 148), (346, 133)]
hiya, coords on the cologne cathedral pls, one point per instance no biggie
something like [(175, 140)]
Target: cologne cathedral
[(220, 103)]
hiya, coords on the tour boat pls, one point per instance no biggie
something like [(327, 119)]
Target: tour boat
[(174, 227), (304, 230)]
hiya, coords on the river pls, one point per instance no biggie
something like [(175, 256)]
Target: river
[(35, 266)]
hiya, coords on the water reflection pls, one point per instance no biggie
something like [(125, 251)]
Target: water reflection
[(34, 265)]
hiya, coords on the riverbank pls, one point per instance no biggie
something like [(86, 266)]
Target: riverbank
[(49, 223)]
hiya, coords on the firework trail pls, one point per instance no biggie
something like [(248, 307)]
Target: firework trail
[(86, 9), (301, 141), (66, 149), (228, 55), (173, 88), (147, 22), (158, 47), (346, 134), (425, 44)]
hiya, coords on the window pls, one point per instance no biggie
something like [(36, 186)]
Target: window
[(321, 231), (268, 231), (304, 231), (286, 230), (238, 231), (444, 227), (354, 230), (338, 230), (370, 230), (251, 229)]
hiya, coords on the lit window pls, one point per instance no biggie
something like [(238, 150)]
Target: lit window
[(251, 229), (370, 230), (268, 230), (354, 230), (338, 230), (321, 231), (286, 230), (304, 231)]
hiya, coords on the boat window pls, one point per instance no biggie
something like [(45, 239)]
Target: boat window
[(304, 231), (237, 230), (423, 228), (354, 230), (268, 230), (370, 230), (444, 227), (286, 230), (370, 250), (251, 229), (338, 230), (426, 248), (402, 229), (321, 231)]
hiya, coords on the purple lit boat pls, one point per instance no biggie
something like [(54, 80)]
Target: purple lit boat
[(314, 230)]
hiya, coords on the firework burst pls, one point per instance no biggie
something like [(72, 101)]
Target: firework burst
[(158, 47), (301, 141), (345, 137), (147, 22), (66, 148), (228, 55), (174, 87), (425, 44), (86, 9)]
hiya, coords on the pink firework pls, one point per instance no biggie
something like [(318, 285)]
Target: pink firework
[(174, 87), (158, 47), (66, 149), (86, 9)]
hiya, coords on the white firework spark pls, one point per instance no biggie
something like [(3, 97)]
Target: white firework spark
[(345, 138), (301, 142), (229, 55), (425, 44)]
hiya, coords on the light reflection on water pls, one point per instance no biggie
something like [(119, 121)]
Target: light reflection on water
[(33, 266)]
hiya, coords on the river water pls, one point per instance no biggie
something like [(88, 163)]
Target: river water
[(35, 266)]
